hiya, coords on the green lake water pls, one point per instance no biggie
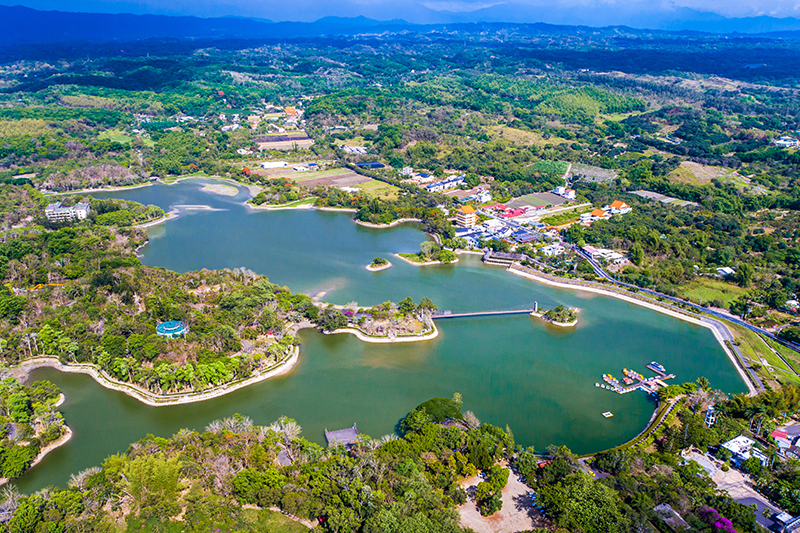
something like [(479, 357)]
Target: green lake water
[(515, 370)]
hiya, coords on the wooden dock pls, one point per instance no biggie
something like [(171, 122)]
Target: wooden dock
[(649, 385)]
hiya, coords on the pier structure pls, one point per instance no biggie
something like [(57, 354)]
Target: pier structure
[(636, 381)]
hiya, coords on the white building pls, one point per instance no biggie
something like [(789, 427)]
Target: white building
[(786, 142), (602, 253), (569, 194), (553, 249), (450, 183), (742, 449), (725, 272), (56, 213), (274, 164)]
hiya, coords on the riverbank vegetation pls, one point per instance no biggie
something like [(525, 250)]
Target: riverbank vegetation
[(561, 315), (30, 421), (228, 475), (79, 293)]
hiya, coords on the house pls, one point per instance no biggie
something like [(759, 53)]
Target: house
[(782, 439), (743, 449), (618, 207), (301, 169), (725, 272), (449, 183), (56, 213), (511, 213), (594, 215), (466, 216), (553, 249), (480, 197), (564, 192), (786, 142), (274, 164), (602, 253), (524, 237)]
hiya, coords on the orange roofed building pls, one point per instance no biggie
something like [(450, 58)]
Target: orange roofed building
[(466, 216), (618, 207)]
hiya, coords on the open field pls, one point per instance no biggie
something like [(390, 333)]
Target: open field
[(115, 136), (696, 174), (527, 138), (537, 199), (702, 289), (592, 173)]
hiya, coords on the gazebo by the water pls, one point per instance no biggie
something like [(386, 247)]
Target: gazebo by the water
[(344, 437), (172, 329)]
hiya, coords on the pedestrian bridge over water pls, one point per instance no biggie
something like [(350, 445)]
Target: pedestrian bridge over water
[(495, 312)]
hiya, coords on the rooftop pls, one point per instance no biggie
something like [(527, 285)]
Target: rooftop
[(345, 437), (466, 209)]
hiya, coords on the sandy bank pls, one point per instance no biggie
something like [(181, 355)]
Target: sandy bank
[(169, 216), (426, 263), (218, 188), (150, 398), (378, 268), (714, 325), (62, 440), (385, 340)]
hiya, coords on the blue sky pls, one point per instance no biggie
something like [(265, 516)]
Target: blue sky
[(593, 12)]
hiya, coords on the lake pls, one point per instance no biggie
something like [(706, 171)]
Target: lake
[(516, 370)]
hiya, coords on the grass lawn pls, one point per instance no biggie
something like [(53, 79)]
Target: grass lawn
[(534, 200), (115, 136), (702, 289), (271, 521), (298, 203), (527, 138), (757, 351), (378, 189), (566, 217)]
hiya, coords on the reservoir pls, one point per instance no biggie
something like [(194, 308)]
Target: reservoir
[(515, 370)]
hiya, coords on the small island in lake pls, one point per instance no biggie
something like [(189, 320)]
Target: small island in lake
[(388, 322), (378, 264), (430, 253), (559, 316)]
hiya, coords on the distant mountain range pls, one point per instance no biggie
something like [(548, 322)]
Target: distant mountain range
[(22, 25)]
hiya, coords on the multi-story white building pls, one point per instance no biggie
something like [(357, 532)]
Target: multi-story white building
[(55, 212)]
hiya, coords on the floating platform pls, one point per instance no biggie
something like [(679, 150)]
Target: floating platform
[(636, 381), (608, 414)]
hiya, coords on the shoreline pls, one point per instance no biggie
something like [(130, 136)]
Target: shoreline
[(426, 263), (150, 398), (390, 224), (360, 335), (381, 268), (62, 440), (172, 215), (100, 189), (654, 306)]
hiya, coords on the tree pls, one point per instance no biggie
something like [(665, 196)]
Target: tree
[(744, 274), (447, 256), (407, 306), (331, 319), (581, 504), (753, 466), (427, 305), (637, 254)]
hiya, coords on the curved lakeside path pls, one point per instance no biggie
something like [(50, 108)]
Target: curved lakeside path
[(147, 397)]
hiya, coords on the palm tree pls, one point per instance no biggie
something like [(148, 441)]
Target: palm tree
[(703, 383)]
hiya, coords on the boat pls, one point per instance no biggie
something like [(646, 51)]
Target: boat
[(657, 367), (608, 414), (596, 384), (633, 374), (627, 381)]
